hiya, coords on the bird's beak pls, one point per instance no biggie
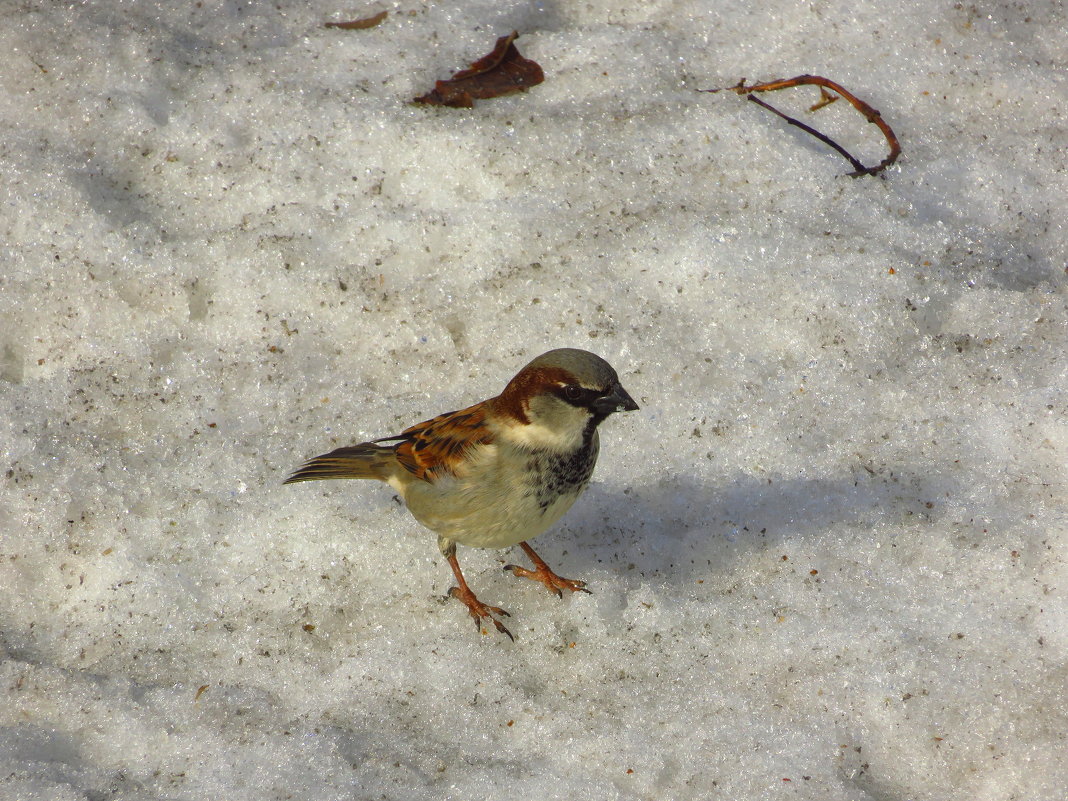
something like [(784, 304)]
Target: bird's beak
[(615, 401)]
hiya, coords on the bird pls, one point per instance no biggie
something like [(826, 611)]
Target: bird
[(500, 472)]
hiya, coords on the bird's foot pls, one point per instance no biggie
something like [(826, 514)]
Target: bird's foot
[(546, 576), (480, 611)]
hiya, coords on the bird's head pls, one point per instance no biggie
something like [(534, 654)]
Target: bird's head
[(561, 397)]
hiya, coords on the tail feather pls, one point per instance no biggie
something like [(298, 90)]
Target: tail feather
[(366, 460)]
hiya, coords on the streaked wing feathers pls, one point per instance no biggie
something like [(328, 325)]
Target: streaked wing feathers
[(435, 447)]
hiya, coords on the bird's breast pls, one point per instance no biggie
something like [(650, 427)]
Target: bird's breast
[(552, 476), (507, 496)]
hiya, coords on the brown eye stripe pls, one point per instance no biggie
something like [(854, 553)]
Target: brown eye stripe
[(526, 384)]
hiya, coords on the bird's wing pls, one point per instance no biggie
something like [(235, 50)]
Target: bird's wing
[(436, 447)]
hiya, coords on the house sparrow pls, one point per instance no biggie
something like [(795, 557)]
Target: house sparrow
[(500, 472)]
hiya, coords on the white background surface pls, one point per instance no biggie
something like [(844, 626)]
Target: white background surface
[(828, 554)]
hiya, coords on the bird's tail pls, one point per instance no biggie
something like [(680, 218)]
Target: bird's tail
[(366, 460)]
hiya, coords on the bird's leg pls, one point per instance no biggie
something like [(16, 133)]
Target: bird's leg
[(543, 573), (475, 607)]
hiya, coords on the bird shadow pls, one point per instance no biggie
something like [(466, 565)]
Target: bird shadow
[(677, 529)]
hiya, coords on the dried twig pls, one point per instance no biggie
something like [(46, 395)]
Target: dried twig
[(869, 113), (358, 24)]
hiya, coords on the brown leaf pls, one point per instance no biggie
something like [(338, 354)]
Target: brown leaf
[(358, 24), (501, 72)]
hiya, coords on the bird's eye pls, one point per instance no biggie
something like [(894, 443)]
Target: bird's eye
[(572, 392)]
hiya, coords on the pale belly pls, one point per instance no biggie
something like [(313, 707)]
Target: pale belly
[(505, 502)]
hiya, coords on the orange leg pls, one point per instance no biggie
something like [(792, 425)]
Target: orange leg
[(477, 609), (543, 573)]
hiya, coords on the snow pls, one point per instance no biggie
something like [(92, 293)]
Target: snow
[(828, 555)]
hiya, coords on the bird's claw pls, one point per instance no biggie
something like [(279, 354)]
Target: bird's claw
[(552, 582), (480, 611)]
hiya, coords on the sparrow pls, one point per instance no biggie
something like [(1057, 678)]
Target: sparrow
[(500, 472)]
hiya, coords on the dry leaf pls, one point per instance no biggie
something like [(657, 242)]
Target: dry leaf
[(501, 72)]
